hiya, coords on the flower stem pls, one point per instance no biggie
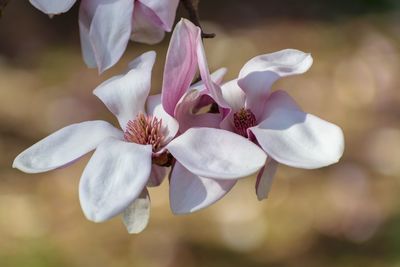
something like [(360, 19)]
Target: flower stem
[(191, 7)]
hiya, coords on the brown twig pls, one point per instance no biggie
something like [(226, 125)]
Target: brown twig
[(3, 4), (191, 7)]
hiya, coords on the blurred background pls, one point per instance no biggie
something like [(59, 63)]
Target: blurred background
[(344, 215)]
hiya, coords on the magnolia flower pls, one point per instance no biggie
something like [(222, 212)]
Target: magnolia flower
[(107, 25), (125, 161), (197, 184), (272, 120)]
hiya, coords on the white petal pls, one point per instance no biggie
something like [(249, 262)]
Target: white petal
[(52, 7), (217, 77), (65, 146), (125, 95), (189, 192), (170, 125), (265, 178), (136, 216), (144, 29), (258, 74), (233, 95), (113, 178), (157, 175), (216, 153), (108, 26), (164, 10), (298, 139)]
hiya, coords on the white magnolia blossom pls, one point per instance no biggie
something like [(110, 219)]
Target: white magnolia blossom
[(106, 26)]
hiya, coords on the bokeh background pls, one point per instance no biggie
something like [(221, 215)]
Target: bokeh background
[(344, 215)]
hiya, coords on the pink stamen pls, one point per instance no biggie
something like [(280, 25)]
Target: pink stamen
[(244, 119), (145, 130)]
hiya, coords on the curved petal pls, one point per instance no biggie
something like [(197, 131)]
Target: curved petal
[(298, 139), (233, 95), (163, 10), (65, 146), (279, 99), (217, 77), (144, 29), (265, 178), (107, 26), (186, 118), (137, 215), (216, 153), (170, 124), (211, 87), (52, 7), (180, 65), (189, 192), (157, 175), (113, 178), (125, 95), (258, 74)]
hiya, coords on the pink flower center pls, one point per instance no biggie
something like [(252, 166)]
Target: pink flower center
[(244, 119), (145, 130)]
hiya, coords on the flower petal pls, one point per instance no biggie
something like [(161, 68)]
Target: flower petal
[(52, 7), (180, 65), (212, 88), (298, 139), (189, 192), (108, 26), (157, 175), (125, 95), (137, 215), (216, 153), (113, 178), (187, 119), (144, 29), (164, 10), (258, 74), (170, 124), (233, 95), (265, 178), (217, 77), (64, 146)]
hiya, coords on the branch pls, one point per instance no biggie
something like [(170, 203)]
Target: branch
[(3, 4), (191, 7)]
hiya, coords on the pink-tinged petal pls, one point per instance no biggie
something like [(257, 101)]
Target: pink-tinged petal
[(157, 175), (113, 178), (65, 146), (216, 153), (213, 89), (258, 74), (186, 117), (170, 124), (180, 65), (107, 26), (227, 122), (298, 139), (137, 215), (164, 10), (217, 77), (52, 7), (233, 95), (125, 95), (144, 29), (278, 99), (189, 193), (265, 178)]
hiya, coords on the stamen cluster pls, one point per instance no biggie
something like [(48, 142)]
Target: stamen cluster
[(145, 130), (244, 119)]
